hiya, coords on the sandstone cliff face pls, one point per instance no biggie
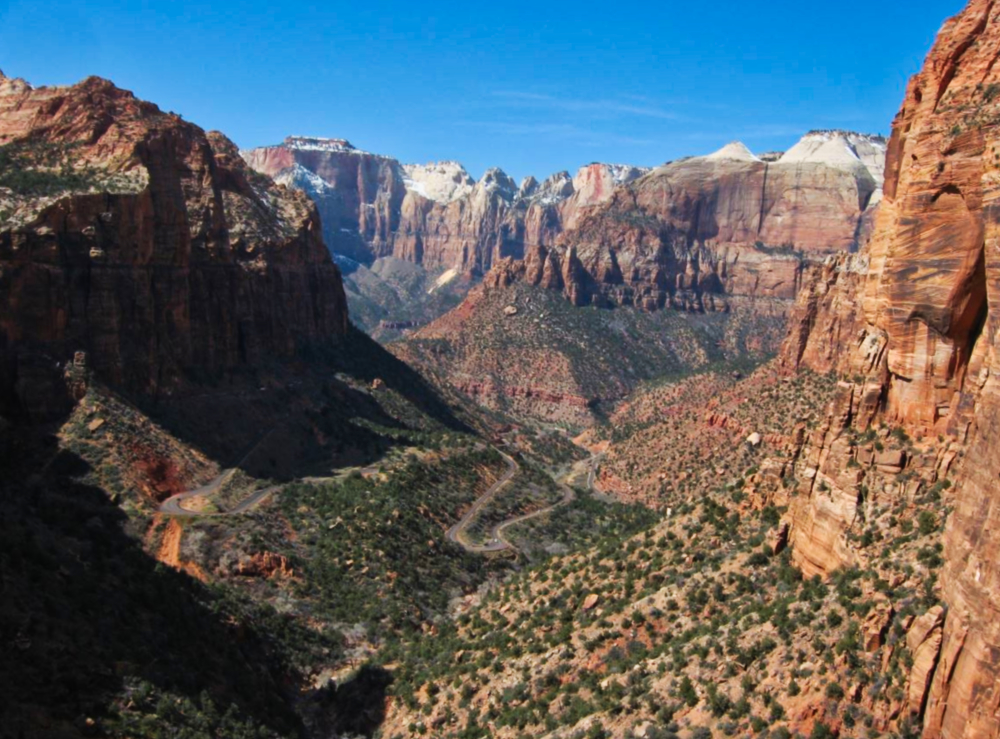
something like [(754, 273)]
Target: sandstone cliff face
[(435, 215), (685, 235), (812, 200), (148, 245), (920, 324), (358, 194), (468, 234), (694, 232)]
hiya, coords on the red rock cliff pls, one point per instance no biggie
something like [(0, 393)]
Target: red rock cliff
[(695, 233), (139, 239), (917, 316), (612, 232)]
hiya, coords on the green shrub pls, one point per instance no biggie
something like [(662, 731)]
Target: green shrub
[(687, 693), (927, 523), (834, 691)]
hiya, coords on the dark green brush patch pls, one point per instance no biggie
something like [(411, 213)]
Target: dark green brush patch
[(36, 169), (376, 552)]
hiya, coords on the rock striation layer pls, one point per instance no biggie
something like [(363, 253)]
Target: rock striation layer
[(136, 246), (696, 231), (727, 223), (914, 322), (432, 214)]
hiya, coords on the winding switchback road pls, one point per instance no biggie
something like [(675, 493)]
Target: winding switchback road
[(498, 541), (172, 505), (457, 533)]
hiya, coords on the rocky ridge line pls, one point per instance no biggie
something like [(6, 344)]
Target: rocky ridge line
[(136, 246), (911, 324)]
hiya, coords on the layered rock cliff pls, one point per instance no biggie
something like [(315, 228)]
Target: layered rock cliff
[(358, 194), (687, 235), (433, 214), (913, 323), (136, 246), (694, 233)]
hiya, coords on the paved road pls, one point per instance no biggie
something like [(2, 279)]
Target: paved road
[(594, 463), (457, 533), (172, 505), (498, 541)]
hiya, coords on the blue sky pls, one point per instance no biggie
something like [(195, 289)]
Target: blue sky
[(531, 87)]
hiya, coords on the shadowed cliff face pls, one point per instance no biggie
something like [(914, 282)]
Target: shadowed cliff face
[(148, 245), (916, 315)]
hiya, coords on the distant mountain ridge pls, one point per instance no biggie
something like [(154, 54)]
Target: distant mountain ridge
[(432, 214), (698, 233), (728, 235), (438, 216)]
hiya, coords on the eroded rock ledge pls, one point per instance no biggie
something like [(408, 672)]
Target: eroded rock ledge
[(145, 248), (911, 324)]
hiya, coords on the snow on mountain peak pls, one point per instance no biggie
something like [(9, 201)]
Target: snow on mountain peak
[(842, 150), (442, 182), (554, 189), (303, 179), (496, 180), (315, 143)]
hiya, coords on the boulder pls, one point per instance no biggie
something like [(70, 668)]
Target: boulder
[(924, 642)]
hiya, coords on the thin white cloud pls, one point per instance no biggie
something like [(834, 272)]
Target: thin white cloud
[(748, 133), (562, 131), (580, 105)]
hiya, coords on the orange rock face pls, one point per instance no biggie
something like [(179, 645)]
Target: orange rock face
[(371, 208), (148, 246), (918, 318), (681, 236), (694, 232)]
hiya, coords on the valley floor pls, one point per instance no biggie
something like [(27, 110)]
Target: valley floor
[(469, 575)]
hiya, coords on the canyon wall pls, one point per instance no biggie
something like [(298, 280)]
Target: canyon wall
[(911, 324), (138, 247), (359, 195), (696, 233), (685, 234), (435, 215)]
